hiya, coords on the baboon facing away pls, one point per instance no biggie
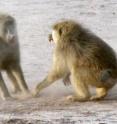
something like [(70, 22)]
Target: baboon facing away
[(10, 56), (84, 56)]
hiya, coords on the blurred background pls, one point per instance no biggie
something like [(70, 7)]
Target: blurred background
[(34, 19)]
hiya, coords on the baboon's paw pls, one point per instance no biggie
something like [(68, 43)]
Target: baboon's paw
[(35, 93), (95, 98), (8, 98), (77, 99), (15, 92), (70, 98), (22, 96)]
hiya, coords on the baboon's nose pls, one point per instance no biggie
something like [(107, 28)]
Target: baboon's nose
[(50, 38)]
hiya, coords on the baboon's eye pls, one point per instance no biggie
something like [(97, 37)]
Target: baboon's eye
[(9, 22), (60, 31)]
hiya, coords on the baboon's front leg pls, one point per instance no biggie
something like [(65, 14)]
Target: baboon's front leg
[(3, 89), (51, 78), (18, 74)]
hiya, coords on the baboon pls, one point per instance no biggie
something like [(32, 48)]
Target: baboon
[(83, 56), (10, 57)]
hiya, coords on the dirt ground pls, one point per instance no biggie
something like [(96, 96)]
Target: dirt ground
[(34, 20), (49, 110)]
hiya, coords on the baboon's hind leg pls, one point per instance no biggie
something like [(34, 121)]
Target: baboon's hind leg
[(100, 93), (81, 90)]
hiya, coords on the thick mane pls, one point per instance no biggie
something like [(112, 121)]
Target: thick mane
[(82, 43)]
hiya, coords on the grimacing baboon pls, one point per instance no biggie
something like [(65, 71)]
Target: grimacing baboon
[(10, 56), (85, 57)]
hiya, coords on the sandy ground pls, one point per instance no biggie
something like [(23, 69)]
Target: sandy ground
[(50, 110), (34, 19)]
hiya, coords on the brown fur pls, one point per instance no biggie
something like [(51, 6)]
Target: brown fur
[(88, 59)]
